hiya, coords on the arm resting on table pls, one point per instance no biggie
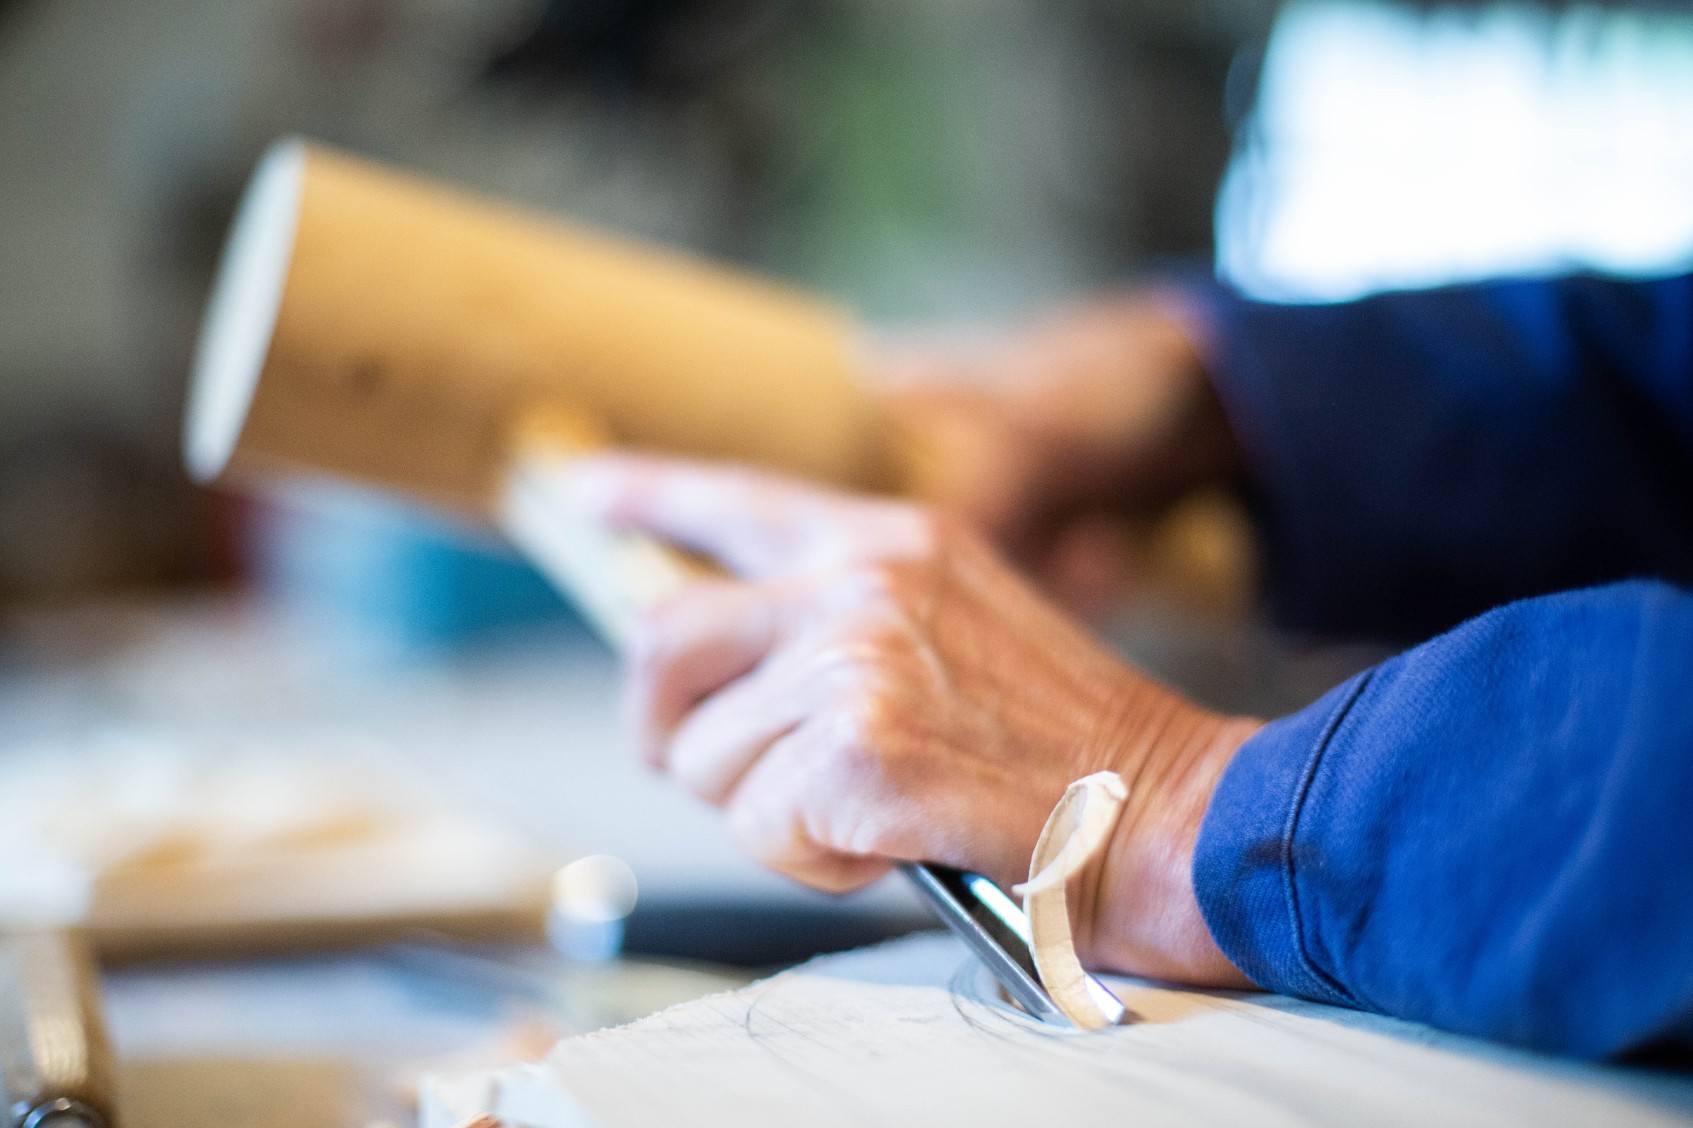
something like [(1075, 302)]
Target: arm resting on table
[(1492, 833)]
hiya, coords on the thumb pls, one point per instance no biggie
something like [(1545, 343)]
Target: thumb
[(756, 525)]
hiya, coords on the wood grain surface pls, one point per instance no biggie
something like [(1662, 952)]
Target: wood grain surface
[(909, 1033)]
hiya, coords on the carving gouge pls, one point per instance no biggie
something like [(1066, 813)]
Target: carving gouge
[(997, 931)]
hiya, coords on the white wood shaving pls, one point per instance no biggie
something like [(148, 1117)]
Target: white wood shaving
[(1078, 829)]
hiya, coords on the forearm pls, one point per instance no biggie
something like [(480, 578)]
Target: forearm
[(1415, 458), (1128, 419), (1488, 833)]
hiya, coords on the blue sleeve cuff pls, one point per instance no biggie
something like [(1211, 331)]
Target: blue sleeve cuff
[(1488, 833), (1245, 859)]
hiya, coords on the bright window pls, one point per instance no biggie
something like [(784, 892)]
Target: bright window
[(1396, 148)]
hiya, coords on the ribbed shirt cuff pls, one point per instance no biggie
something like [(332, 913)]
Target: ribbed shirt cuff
[(1245, 862)]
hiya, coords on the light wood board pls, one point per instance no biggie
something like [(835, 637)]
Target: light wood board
[(910, 1033)]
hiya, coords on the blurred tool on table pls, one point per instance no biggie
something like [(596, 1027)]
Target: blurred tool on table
[(56, 1068)]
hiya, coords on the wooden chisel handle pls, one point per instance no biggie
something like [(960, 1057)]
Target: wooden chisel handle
[(55, 1060)]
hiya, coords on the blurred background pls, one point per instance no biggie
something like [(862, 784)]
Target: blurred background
[(926, 161), (929, 160)]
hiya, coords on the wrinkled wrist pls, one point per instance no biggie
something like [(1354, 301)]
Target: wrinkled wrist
[(1136, 908)]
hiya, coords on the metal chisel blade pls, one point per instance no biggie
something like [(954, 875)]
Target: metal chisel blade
[(996, 930)]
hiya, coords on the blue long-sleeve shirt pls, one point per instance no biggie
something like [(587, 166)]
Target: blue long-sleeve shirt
[(1493, 832)]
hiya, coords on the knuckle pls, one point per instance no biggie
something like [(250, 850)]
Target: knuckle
[(925, 530), (869, 598), (865, 837), (885, 582), (862, 741), (900, 530), (926, 527), (846, 762), (865, 585), (769, 827), (903, 574), (859, 666)]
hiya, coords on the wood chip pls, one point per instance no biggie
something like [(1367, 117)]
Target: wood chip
[(1078, 829)]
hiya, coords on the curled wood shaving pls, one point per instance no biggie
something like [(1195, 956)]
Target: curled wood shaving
[(1075, 833)]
